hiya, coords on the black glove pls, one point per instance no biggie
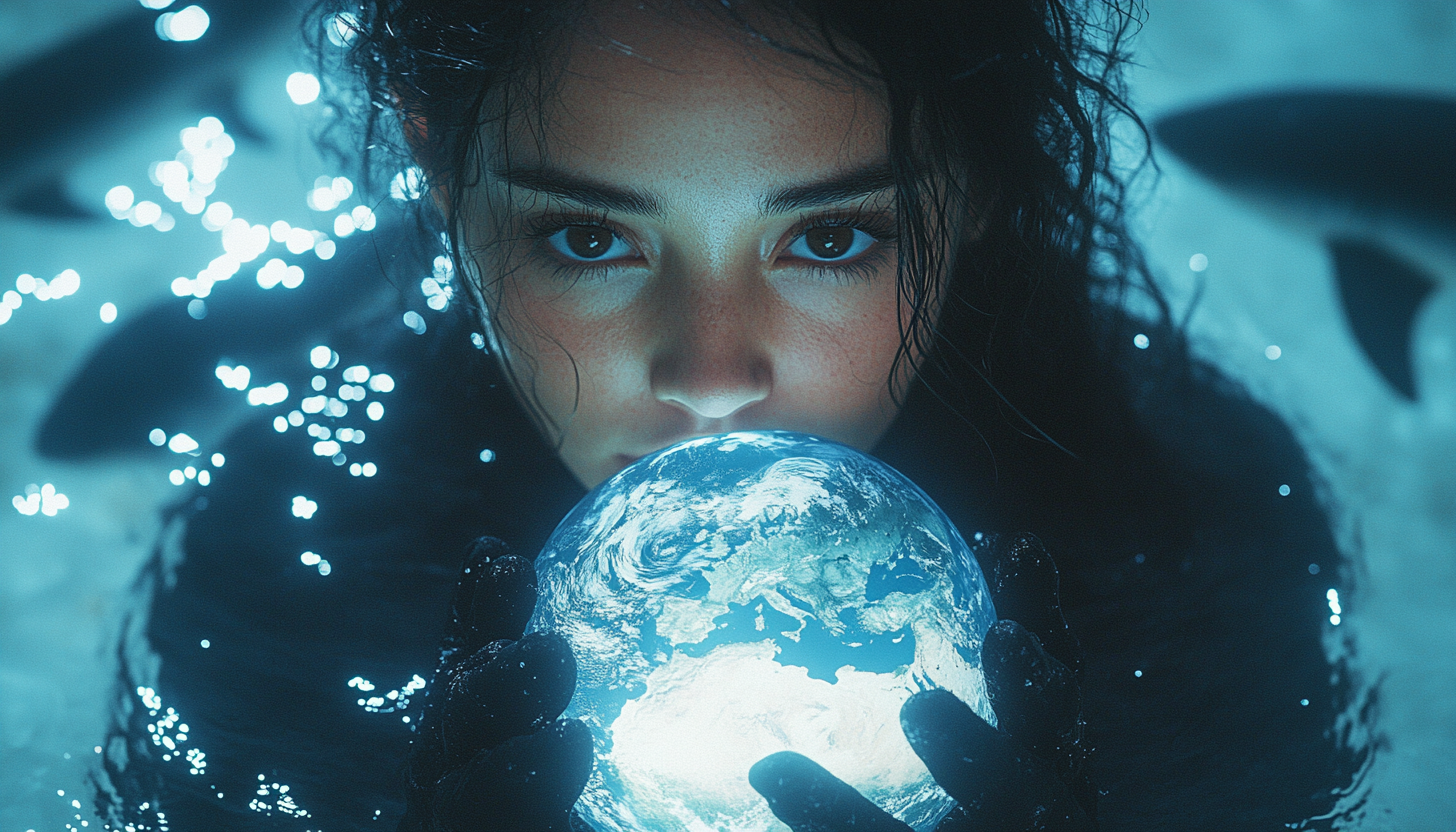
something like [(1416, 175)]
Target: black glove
[(1026, 774), (490, 753)]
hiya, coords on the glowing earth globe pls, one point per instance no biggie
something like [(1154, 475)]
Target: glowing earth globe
[(737, 595)]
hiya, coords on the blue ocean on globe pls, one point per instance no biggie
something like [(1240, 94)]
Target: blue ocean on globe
[(737, 595)]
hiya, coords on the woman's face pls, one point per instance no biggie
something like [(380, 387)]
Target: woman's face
[(700, 240)]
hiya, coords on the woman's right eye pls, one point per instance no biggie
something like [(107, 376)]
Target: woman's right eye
[(589, 243)]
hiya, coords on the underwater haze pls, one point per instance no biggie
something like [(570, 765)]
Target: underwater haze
[(1329, 294)]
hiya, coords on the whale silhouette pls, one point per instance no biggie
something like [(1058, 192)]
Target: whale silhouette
[(1372, 174)]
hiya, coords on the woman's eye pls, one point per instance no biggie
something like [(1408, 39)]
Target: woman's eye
[(829, 243), (589, 242)]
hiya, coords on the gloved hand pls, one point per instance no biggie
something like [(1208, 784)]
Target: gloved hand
[(1026, 774), (491, 753)]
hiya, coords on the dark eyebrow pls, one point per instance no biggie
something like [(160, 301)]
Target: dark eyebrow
[(580, 189), (854, 184)]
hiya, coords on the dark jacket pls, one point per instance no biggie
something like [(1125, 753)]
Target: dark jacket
[(1190, 581)]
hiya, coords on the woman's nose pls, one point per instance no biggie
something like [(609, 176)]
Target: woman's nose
[(712, 360)]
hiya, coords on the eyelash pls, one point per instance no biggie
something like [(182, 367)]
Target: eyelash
[(539, 229), (862, 268)]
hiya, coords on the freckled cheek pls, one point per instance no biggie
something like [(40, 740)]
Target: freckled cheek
[(558, 348), (834, 368)]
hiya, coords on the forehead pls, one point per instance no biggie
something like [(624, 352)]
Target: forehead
[(670, 96)]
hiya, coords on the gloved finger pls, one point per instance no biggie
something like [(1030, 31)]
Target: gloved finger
[(808, 798), (998, 784), (527, 783), (507, 689), (1036, 698), (1025, 588), (494, 598)]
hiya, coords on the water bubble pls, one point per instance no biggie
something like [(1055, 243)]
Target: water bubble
[(363, 217), (1140, 341), (299, 240), (302, 87), (341, 28), (322, 199), (274, 393), (108, 312), (1198, 262), (217, 215), (146, 213), (183, 25), (119, 200)]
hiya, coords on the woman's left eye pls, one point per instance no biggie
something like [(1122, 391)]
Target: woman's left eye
[(830, 244), (589, 244)]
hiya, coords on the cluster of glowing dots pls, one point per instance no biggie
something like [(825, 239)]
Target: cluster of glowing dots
[(40, 499), (391, 701), (181, 443), (439, 287), (169, 733), (329, 441), (274, 797), (316, 560), (75, 804), (304, 509), (1333, 597), (190, 178), (328, 194), (62, 285)]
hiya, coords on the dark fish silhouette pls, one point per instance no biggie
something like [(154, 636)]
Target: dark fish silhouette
[(157, 371), (1372, 174), (77, 98)]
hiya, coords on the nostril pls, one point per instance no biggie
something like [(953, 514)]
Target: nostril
[(718, 405), (710, 398)]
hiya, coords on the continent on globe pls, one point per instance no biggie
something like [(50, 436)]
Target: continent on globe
[(738, 595)]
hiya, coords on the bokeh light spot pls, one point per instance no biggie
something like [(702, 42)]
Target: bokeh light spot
[(303, 87), (184, 24)]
